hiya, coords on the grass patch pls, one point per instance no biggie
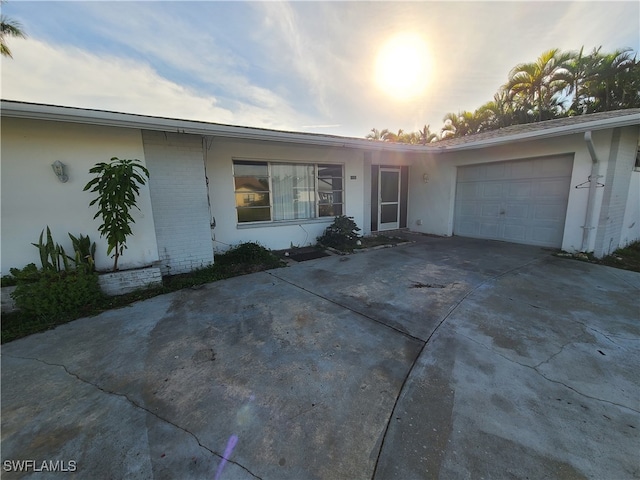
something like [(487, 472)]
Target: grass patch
[(241, 260), (627, 258), (377, 240), (370, 242)]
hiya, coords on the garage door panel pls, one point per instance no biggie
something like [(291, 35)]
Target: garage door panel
[(496, 171), (523, 201), (491, 210), (491, 190), (489, 229), (468, 191), (471, 173), (541, 235), (519, 211), (556, 187), (547, 212), (519, 190), (468, 210), (471, 228), (522, 169), (551, 167), (515, 233)]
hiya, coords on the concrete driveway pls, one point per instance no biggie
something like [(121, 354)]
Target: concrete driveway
[(445, 358)]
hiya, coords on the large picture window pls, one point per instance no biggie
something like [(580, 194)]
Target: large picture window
[(273, 191)]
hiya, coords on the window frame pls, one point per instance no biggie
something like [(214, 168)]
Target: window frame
[(316, 190)]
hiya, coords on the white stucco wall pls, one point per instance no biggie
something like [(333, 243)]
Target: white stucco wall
[(32, 197), (276, 235), (432, 203)]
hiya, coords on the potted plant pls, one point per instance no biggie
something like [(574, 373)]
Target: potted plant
[(117, 184)]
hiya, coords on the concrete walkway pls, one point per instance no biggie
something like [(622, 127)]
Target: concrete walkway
[(445, 358)]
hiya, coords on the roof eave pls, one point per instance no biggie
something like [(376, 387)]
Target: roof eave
[(128, 120), (602, 124)]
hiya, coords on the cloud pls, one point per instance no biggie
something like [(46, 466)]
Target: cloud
[(70, 76), (292, 66)]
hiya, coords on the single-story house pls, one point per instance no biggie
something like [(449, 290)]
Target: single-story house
[(571, 184)]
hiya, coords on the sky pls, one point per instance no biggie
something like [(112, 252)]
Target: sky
[(338, 68)]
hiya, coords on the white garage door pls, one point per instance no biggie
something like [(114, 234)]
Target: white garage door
[(523, 201)]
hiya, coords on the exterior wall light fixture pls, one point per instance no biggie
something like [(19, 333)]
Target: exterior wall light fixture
[(58, 169)]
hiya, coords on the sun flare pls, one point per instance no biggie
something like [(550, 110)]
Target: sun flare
[(403, 66)]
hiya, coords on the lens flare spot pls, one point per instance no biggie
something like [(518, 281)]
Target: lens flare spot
[(403, 66)]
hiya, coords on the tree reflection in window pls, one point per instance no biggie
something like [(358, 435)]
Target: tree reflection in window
[(267, 191)]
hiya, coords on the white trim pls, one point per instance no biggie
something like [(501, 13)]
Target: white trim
[(127, 120), (389, 225)]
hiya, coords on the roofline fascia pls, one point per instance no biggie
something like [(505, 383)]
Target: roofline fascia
[(143, 122), (37, 111), (581, 128)]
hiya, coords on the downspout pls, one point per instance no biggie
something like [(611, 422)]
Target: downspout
[(593, 184)]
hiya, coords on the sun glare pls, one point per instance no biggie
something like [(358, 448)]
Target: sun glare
[(403, 66)]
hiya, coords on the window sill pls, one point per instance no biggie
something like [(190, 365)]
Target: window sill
[(283, 223)]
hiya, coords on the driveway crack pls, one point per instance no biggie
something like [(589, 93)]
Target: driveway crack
[(138, 406), (435, 330), (535, 369), (346, 307)]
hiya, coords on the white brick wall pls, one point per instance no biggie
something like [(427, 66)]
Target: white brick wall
[(119, 283), (616, 193), (179, 197)]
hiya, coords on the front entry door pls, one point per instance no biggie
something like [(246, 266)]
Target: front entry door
[(389, 199)]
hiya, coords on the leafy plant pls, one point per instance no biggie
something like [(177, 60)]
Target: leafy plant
[(342, 234), (52, 255), (117, 185), (85, 252)]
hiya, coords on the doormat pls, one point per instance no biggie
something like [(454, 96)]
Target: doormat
[(307, 255)]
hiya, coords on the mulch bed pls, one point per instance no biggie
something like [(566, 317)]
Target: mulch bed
[(304, 254)]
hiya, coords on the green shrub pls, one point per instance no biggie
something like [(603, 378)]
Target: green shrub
[(48, 294), (8, 281), (28, 274), (342, 234), (249, 253)]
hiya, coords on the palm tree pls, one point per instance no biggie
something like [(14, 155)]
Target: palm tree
[(374, 135), (538, 85), (394, 137), (450, 127), (628, 86), (8, 28), (497, 113), (426, 136), (607, 75), (576, 66), (461, 124), (386, 135)]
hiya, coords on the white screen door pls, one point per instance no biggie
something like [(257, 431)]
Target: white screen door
[(389, 199)]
